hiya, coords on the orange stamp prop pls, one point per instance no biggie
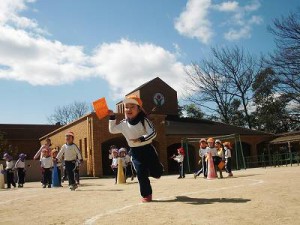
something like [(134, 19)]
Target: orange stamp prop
[(100, 108)]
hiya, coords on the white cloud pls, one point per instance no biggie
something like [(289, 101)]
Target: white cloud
[(126, 65), (193, 21), (26, 54), (236, 34), (227, 6)]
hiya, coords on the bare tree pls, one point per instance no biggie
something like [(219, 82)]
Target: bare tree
[(285, 60), (68, 113), (223, 81)]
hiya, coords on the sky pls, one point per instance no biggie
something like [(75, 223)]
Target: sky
[(55, 52)]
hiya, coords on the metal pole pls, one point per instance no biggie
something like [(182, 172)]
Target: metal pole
[(242, 151), (188, 157), (236, 154)]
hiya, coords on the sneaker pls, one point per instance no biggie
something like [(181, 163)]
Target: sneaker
[(132, 178), (195, 176), (180, 177), (44, 186), (49, 185), (147, 199)]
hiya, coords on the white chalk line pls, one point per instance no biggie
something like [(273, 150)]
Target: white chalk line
[(93, 219)]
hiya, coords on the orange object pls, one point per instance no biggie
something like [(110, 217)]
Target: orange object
[(100, 108), (221, 165), (211, 174)]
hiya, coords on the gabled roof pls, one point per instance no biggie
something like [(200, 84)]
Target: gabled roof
[(147, 83), (188, 126), (26, 131)]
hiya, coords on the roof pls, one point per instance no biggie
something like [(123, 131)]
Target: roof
[(188, 126), (66, 126), (287, 137), (147, 83), (26, 131)]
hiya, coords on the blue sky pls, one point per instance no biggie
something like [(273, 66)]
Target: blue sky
[(53, 52)]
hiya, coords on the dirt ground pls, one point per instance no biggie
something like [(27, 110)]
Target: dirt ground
[(253, 196)]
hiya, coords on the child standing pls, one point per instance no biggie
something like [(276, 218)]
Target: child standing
[(46, 164), (180, 158), (54, 153), (20, 166), (9, 170), (220, 154), (227, 147), (71, 153), (214, 152), (125, 160), (139, 133), (202, 154), (114, 163)]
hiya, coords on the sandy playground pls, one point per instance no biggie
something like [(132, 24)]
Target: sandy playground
[(253, 196)]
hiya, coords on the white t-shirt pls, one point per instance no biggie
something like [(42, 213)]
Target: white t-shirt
[(9, 165), (70, 152), (46, 162), (213, 151), (202, 152), (147, 132), (179, 158), (227, 153), (20, 164)]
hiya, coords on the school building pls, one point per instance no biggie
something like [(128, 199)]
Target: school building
[(93, 138)]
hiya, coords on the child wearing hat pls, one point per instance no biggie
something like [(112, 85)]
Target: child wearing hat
[(114, 163), (227, 147), (202, 154), (220, 154), (9, 170), (20, 166), (180, 158), (214, 152), (46, 164), (139, 132), (71, 153)]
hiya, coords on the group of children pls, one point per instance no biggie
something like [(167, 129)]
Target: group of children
[(10, 168), (69, 156), (115, 154), (220, 153)]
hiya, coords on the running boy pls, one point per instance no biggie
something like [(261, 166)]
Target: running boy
[(139, 133), (71, 153)]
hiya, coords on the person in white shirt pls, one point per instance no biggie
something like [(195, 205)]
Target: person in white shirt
[(220, 154), (202, 154), (46, 146), (71, 153), (227, 147), (139, 132), (46, 164), (114, 163), (20, 166), (180, 158), (214, 152), (9, 170), (54, 153)]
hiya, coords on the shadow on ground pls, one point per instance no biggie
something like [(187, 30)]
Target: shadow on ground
[(203, 201)]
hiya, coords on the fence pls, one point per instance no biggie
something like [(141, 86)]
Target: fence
[(275, 159)]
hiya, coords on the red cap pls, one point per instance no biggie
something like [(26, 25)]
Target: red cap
[(70, 133)]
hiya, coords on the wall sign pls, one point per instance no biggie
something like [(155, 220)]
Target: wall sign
[(159, 99)]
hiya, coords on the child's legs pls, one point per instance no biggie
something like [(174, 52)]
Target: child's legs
[(45, 178), (204, 167), (229, 165), (21, 176), (142, 175), (70, 166), (115, 170), (8, 178), (152, 162), (49, 176), (59, 175)]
